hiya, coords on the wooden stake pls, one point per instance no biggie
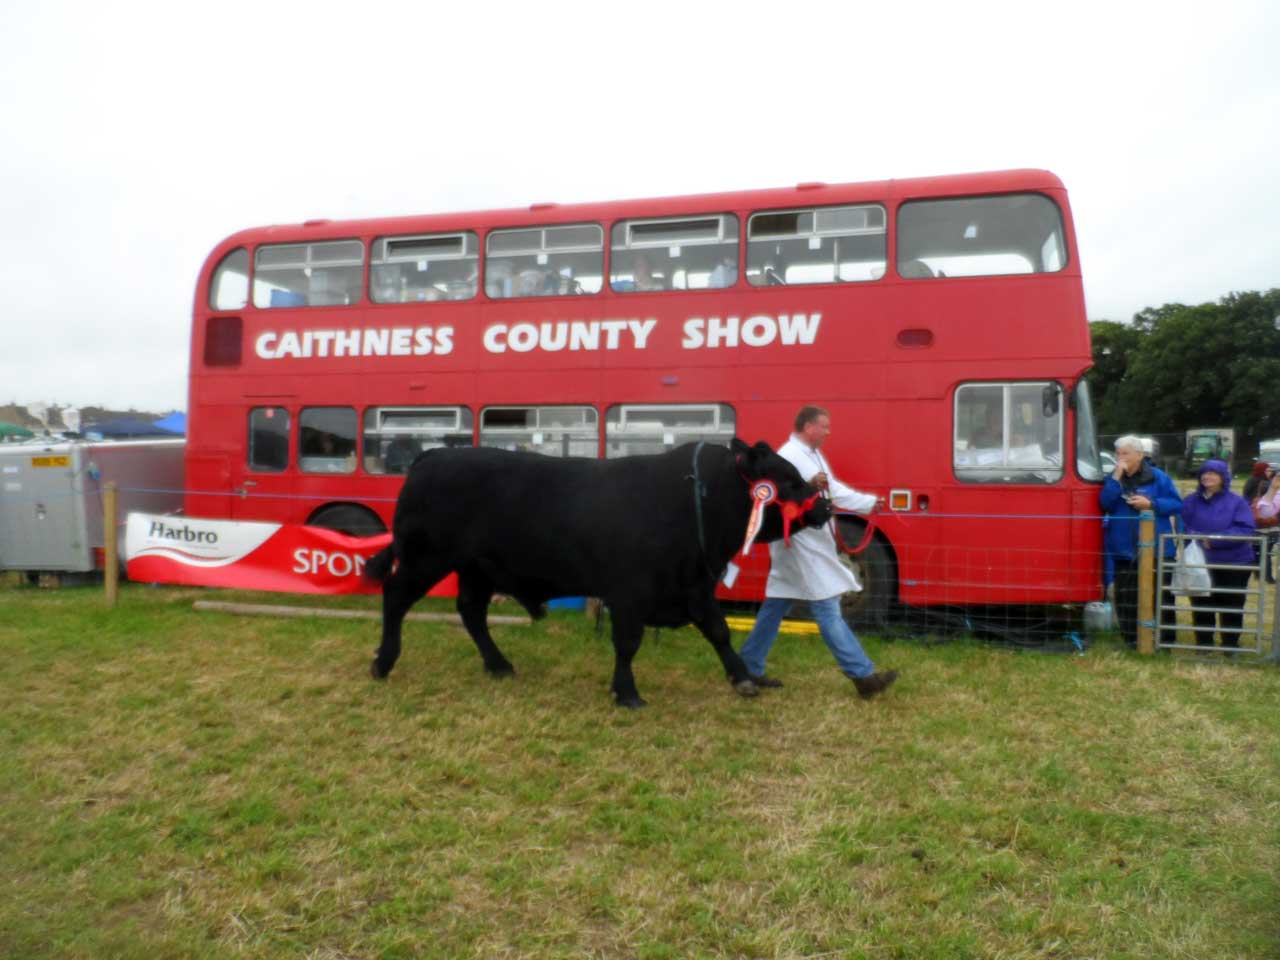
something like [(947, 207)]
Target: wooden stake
[(278, 610), (110, 546), (1146, 582)]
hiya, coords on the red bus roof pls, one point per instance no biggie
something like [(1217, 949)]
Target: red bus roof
[(802, 194)]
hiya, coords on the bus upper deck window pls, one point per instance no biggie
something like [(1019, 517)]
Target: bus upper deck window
[(816, 245), (229, 288), (443, 266), (323, 274), (980, 236), (544, 261), (688, 253)]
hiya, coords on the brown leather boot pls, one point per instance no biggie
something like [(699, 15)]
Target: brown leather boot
[(874, 684)]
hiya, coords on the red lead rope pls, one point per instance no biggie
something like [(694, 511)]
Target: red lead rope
[(866, 534)]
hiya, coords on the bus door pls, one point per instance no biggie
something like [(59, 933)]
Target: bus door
[(262, 483), (1005, 536)]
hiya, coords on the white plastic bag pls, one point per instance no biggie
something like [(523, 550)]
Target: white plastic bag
[(1190, 575)]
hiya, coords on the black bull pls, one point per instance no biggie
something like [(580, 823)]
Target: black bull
[(630, 531)]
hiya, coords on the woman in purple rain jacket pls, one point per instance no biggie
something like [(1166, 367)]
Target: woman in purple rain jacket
[(1213, 508)]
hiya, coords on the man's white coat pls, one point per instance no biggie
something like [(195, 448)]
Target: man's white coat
[(809, 569)]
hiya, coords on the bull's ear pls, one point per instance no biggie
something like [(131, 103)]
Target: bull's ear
[(762, 449), (738, 446)]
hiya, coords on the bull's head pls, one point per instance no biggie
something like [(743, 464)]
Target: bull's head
[(797, 504)]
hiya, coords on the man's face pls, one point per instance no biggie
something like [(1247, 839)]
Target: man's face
[(816, 430), (1211, 481)]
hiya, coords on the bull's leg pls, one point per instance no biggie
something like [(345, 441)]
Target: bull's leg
[(628, 631), (400, 591), (712, 626), (474, 593)]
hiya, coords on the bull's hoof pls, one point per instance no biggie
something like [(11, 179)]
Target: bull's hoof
[(376, 671), (500, 670), (632, 703), (746, 688)]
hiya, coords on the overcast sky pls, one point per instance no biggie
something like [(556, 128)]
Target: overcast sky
[(134, 137)]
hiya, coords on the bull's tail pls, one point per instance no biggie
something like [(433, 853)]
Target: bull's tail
[(379, 566)]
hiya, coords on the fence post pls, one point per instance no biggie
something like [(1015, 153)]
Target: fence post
[(1146, 582), (110, 548), (1275, 607)]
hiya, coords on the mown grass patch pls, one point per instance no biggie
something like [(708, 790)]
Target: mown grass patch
[(176, 784)]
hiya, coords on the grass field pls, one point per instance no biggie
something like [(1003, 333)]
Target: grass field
[(183, 785)]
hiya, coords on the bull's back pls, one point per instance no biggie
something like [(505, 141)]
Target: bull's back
[(535, 510)]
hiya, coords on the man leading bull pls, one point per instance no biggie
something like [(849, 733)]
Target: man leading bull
[(810, 569)]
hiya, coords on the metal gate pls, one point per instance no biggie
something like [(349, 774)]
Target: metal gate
[(1255, 598)]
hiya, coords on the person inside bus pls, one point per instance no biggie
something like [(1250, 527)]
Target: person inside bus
[(724, 274), (642, 273), (498, 279), (810, 569), (990, 433), (401, 452), (1136, 485)]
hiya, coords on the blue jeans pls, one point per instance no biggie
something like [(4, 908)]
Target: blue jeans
[(840, 640)]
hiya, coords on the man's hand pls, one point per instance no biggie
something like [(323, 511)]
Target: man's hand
[(819, 480)]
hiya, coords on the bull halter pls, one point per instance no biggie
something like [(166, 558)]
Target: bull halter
[(763, 493)]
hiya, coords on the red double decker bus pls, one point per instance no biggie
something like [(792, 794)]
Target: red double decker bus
[(940, 320)]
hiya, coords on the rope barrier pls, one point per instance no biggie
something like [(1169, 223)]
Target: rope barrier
[(881, 516)]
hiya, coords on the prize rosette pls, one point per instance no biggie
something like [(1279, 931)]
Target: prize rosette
[(763, 493)]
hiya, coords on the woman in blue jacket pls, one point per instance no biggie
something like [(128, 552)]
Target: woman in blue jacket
[(1213, 508), (1136, 485)]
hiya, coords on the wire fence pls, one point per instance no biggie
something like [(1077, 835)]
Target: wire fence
[(1036, 580)]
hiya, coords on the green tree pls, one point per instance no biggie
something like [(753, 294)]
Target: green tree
[(1177, 366), (1114, 346)]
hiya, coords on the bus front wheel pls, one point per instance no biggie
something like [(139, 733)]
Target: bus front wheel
[(348, 518), (874, 568)]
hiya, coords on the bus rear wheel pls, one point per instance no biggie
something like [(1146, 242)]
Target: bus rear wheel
[(873, 566), (348, 518)]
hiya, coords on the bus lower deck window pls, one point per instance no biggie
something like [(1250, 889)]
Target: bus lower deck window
[(395, 436), (268, 439), (640, 428), (560, 431), (327, 440)]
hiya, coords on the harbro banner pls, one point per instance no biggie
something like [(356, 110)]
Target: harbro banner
[(280, 558)]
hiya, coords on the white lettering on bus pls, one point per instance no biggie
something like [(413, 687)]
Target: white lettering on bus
[(575, 334), (759, 331), (396, 342), (712, 333)]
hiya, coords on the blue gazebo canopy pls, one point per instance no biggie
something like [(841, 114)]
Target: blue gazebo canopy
[(174, 423), (118, 429)]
